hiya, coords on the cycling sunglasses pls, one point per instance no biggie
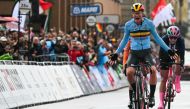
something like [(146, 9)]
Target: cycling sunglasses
[(173, 37)]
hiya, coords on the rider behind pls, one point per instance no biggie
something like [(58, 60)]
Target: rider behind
[(174, 40), (139, 29)]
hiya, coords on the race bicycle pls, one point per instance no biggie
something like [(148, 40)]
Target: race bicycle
[(141, 96), (170, 89)]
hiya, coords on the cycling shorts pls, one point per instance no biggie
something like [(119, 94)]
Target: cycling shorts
[(164, 66), (137, 56)]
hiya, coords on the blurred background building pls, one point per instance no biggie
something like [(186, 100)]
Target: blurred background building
[(6, 10), (60, 14)]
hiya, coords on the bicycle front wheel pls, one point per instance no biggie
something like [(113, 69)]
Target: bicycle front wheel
[(169, 94), (146, 95), (140, 101)]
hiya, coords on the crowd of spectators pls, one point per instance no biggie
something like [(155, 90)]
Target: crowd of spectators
[(83, 47)]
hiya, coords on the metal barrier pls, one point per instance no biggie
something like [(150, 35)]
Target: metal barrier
[(52, 57), (17, 62)]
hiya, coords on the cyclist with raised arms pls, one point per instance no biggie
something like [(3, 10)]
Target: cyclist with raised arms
[(174, 40), (139, 29)]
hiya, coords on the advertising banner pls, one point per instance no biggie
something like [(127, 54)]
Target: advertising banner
[(107, 19), (93, 80), (83, 80), (3, 103), (98, 76), (7, 87), (28, 92), (33, 85), (48, 71), (105, 76), (61, 82), (88, 78), (115, 77), (91, 20), (86, 9), (121, 82), (38, 82), (71, 80), (47, 92), (23, 92)]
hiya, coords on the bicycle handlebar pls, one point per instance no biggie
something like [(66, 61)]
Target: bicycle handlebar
[(139, 65), (144, 64), (171, 63)]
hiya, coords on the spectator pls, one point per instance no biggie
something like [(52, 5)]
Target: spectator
[(3, 41), (103, 59), (92, 57), (61, 46), (64, 46), (44, 48), (36, 48), (58, 47), (75, 35), (102, 52), (50, 44), (75, 51), (23, 48)]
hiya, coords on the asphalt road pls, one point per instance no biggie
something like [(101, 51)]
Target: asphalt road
[(116, 100)]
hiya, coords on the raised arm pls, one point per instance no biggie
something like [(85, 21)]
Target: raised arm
[(157, 38)]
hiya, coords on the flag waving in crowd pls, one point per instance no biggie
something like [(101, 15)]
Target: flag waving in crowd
[(99, 27), (163, 14), (44, 6), (160, 5)]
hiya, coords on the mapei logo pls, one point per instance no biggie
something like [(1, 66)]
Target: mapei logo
[(86, 9), (76, 10)]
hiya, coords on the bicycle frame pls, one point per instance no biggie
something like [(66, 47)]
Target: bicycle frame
[(170, 91), (142, 92)]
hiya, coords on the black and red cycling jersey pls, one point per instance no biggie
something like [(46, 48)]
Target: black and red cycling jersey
[(179, 47)]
